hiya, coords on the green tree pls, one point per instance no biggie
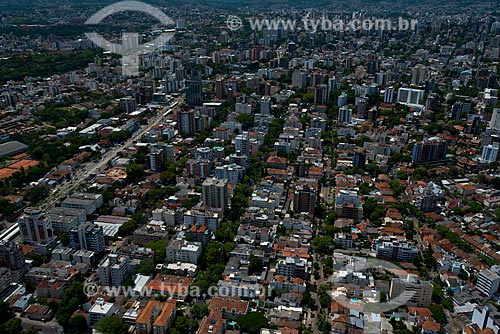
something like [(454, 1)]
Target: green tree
[(111, 325), (31, 330), (438, 313), (252, 322), (78, 322), (159, 247), (63, 238), (254, 264), (245, 120), (198, 311), (127, 228), (323, 245), (12, 326), (147, 267), (135, 173), (5, 313)]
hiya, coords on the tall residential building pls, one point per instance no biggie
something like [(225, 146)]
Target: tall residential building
[(342, 100), (495, 119), (418, 74), (232, 173), (372, 64), (186, 123), (304, 199), (180, 24), (433, 149), (214, 193), (87, 236), (486, 316), (242, 144), (36, 229), (220, 89), (410, 96), (194, 92), (432, 102), (411, 290), (332, 85), (359, 159), (427, 200), (114, 270), (488, 282), (348, 204), (345, 115), (490, 153), (265, 105), (156, 159), (11, 255), (389, 95), (299, 79), (294, 267), (321, 94), (128, 104)]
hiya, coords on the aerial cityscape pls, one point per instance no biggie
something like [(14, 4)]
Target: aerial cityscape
[(281, 167)]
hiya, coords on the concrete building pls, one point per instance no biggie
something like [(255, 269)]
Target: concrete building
[(214, 193), (62, 224), (348, 204), (186, 122), (486, 316), (194, 92), (36, 229), (242, 144), (410, 96), (342, 100), (5, 278), (321, 94), (304, 199), (208, 218), (418, 74), (490, 153), (495, 119), (99, 310), (488, 282), (114, 270), (296, 267), (389, 95), (183, 251), (87, 237), (85, 201), (11, 255), (345, 115), (156, 317), (232, 173), (411, 290), (395, 249), (433, 149)]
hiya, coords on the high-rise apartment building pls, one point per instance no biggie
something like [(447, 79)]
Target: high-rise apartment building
[(87, 236), (36, 229), (214, 193), (411, 290), (114, 270), (433, 149)]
